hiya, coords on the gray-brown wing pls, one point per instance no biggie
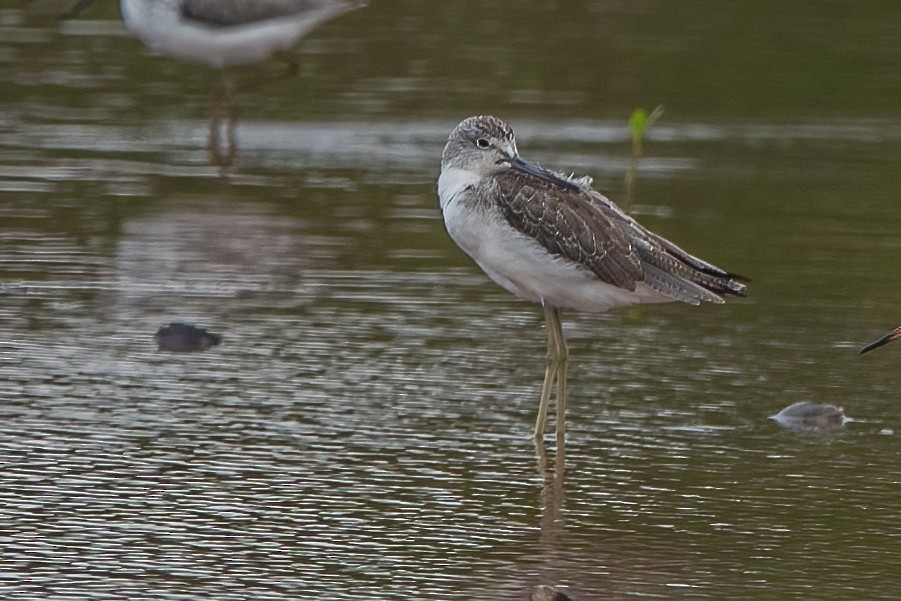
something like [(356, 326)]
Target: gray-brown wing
[(583, 226), (686, 274), (676, 272), (217, 13), (569, 223)]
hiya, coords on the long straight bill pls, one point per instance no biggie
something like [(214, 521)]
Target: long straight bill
[(520, 164), (893, 335)]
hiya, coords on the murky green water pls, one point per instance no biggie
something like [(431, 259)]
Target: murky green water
[(364, 431)]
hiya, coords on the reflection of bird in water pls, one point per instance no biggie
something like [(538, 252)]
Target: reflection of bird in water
[(893, 335), (543, 592), (552, 239), (180, 337), (805, 416), (225, 33)]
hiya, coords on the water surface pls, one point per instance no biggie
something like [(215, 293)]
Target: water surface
[(363, 431)]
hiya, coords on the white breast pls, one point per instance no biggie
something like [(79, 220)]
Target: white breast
[(452, 182)]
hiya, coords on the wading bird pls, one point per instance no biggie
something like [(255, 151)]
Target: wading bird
[(551, 239)]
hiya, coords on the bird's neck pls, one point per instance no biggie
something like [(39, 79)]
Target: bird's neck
[(452, 182)]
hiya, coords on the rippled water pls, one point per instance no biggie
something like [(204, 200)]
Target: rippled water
[(364, 430)]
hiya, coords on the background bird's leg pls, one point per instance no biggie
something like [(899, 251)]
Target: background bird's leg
[(221, 143)]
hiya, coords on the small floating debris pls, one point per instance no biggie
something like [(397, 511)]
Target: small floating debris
[(543, 592), (893, 335), (178, 337), (810, 417)]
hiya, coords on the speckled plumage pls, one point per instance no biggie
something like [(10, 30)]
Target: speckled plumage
[(582, 226)]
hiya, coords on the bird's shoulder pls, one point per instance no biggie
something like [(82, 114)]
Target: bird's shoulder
[(571, 205), (573, 221)]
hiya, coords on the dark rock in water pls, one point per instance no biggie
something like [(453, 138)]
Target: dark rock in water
[(548, 593), (180, 337), (811, 417)]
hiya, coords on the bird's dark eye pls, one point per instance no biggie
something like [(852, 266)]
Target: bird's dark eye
[(483, 143)]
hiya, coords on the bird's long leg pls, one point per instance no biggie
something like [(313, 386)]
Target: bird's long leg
[(562, 354), (546, 387), (551, 370)]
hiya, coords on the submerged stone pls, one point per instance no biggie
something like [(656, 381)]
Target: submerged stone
[(180, 337), (543, 592), (806, 416)]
